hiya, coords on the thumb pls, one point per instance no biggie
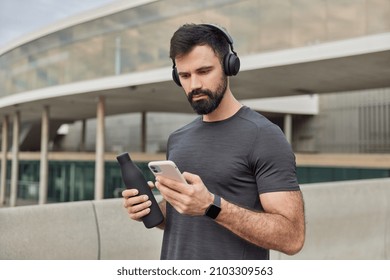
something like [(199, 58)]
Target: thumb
[(191, 178), (151, 184)]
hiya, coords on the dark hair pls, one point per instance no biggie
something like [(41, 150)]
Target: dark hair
[(189, 36)]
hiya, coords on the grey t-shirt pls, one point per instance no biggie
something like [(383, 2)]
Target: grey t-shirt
[(238, 159)]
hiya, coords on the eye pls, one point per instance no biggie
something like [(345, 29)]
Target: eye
[(204, 71), (184, 75)]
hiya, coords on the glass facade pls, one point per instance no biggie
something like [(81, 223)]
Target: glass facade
[(69, 180), (74, 180), (137, 39)]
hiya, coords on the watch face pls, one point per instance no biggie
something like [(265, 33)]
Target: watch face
[(213, 211)]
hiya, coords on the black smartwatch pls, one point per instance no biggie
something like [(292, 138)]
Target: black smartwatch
[(213, 210)]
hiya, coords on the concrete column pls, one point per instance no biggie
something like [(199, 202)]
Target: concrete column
[(44, 166), (143, 132), (288, 127), (83, 135), (4, 150), (100, 137), (118, 55), (15, 159)]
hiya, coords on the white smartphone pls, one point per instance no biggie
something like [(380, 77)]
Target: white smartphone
[(166, 168)]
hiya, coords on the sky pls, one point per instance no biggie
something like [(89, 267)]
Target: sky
[(19, 17)]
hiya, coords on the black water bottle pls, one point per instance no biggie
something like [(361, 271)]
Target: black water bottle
[(134, 179)]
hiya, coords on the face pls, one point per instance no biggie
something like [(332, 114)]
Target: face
[(202, 78)]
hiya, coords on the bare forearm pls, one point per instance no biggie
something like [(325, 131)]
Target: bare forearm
[(270, 231)]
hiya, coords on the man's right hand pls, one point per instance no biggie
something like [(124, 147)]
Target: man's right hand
[(137, 206)]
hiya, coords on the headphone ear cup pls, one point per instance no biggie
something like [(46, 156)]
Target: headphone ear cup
[(231, 64), (175, 77)]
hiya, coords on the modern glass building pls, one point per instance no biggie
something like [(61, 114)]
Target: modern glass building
[(137, 39), (114, 60)]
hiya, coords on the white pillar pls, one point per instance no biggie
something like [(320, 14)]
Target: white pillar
[(143, 131), (288, 127), (83, 135), (4, 150), (100, 137), (44, 166), (15, 159), (118, 55)]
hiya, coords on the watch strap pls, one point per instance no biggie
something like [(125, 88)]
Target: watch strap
[(217, 200)]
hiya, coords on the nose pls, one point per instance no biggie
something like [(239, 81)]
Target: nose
[(196, 82)]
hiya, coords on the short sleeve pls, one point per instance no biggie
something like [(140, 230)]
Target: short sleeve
[(273, 161)]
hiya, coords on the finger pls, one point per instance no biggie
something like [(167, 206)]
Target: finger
[(129, 192), (172, 184), (131, 201), (139, 207), (171, 195), (139, 215)]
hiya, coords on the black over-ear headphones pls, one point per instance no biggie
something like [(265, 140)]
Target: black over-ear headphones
[(231, 62)]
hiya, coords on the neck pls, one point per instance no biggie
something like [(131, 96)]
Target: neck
[(227, 108)]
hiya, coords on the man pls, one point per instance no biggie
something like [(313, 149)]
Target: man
[(242, 196)]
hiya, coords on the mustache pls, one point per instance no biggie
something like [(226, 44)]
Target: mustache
[(196, 92)]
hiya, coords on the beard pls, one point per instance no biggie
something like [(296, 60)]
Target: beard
[(209, 104)]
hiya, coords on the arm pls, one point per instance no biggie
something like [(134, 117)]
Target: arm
[(280, 227)]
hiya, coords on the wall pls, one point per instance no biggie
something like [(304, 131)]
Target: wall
[(345, 220), (348, 122), (75, 230)]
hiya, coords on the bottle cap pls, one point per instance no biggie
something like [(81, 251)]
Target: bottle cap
[(123, 158)]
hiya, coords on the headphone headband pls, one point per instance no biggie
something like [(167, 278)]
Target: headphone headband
[(227, 36)]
